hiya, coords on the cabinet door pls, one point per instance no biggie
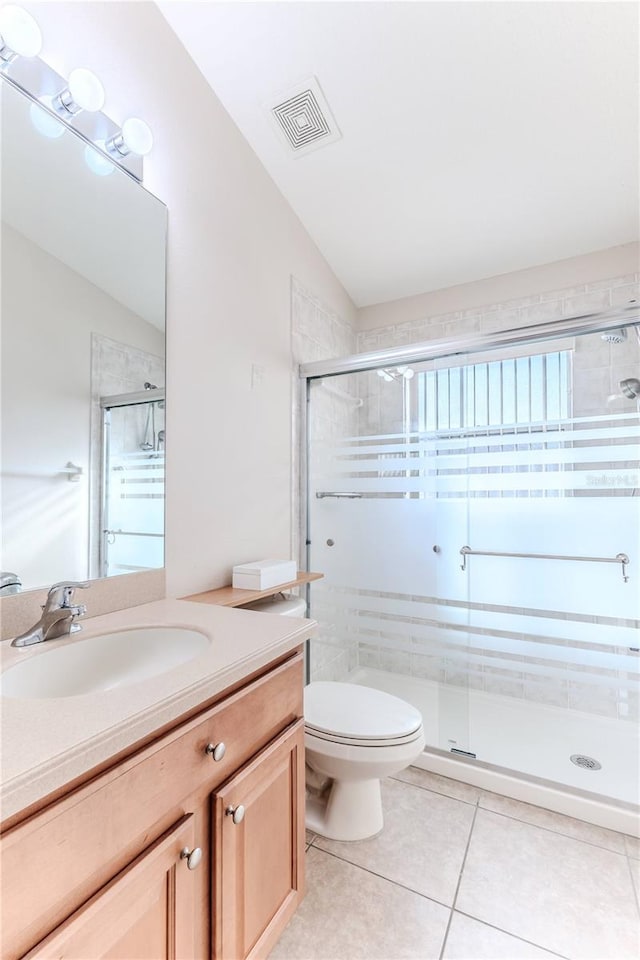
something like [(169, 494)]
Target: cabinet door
[(259, 860), (144, 913)]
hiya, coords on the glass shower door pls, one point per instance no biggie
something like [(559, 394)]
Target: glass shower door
[(382, 538), (133, 470)]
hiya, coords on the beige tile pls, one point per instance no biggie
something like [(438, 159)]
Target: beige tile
[(422, 844), (309, 837), (564, 895), (540, 817), (470, 938), (633, 847), (349, 914), (444, 785)]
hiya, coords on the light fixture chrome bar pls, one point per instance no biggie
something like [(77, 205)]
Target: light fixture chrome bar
[(476, 343), (41, 84), (131, 399), (323, 494), (621, 558)]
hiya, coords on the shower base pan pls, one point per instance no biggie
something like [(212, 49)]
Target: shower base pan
[(523, 749)]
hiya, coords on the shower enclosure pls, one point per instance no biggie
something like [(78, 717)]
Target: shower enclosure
[(131, 514), (475, 508)]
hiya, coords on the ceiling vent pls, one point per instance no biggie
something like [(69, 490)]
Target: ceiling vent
[(303, 118)]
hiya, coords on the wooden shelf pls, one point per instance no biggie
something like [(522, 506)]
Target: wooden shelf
[(234, 597)]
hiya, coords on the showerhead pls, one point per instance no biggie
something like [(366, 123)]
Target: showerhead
[(614, 336), (630, 387)]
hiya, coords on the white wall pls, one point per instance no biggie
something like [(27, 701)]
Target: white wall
[(49, 313), (233, 243)]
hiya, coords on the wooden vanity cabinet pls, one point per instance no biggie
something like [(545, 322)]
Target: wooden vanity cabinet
[(99, 873), (146, 911)]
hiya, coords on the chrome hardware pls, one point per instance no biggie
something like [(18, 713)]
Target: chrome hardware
[(621, 558), (217, 751), (236, 813), (323, 494), (58, 615), (330, 542), (193, 857), (436, 548)]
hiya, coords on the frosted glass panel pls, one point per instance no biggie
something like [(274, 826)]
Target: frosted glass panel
[(133, 489)]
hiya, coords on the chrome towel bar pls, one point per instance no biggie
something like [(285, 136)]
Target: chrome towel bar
[(321, 495), (621, 558)]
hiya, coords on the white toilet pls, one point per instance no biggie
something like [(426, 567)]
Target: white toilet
[(354, 736)]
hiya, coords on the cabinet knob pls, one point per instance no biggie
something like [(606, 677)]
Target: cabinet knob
[(193, 857), (236, 813), (216, 751)]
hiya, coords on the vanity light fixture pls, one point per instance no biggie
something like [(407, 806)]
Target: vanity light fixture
[(20, 34), (75, 102), (134, 137), (83, 92)]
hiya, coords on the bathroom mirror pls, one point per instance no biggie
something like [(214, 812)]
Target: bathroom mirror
[(83, 358)]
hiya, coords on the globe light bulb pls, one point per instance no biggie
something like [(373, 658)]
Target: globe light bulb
[(137, 136), (20, 35), (134, 137), (86, 90), (83, 92)]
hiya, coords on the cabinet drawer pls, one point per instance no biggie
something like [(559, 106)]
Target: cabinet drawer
[(53, 862)]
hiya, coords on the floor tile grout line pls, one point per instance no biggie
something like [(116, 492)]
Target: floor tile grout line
[(381, 876), (508, 816), (455, 895), (636, 890), (515, 936), (558, 833)]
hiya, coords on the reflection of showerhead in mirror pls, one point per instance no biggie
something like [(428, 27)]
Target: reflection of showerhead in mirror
[(630, 388)]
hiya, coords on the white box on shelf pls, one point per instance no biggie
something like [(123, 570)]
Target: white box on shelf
[(263, 574)]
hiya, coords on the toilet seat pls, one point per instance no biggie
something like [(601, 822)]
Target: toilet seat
[(359, 716), (353, 742)]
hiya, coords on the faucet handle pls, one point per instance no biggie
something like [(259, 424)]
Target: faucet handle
[(60, 594)]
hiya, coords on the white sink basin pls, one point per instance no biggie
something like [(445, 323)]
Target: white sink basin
[(96, 664)]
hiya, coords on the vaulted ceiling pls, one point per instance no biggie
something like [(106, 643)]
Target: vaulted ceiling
[(478, 138)]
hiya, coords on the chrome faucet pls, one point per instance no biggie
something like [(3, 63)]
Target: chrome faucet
[(58, 615)]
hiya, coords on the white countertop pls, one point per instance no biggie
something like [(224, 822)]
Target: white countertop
[(47, 743)]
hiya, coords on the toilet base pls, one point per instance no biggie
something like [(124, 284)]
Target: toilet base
[(348, 810)]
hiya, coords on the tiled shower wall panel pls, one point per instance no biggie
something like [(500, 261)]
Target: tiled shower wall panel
[(597, 369), (318, 333)]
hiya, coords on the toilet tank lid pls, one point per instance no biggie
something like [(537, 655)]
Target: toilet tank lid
[(351, 710)]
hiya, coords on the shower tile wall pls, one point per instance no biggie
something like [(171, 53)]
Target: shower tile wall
[(597, 368), (115, 368), (317, 333)]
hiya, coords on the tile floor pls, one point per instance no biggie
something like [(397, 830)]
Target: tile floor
[(462, 874)]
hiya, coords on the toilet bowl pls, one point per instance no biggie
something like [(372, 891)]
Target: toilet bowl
[(354, 736)]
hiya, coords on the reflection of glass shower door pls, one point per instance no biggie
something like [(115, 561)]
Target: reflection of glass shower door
[(132, 513)]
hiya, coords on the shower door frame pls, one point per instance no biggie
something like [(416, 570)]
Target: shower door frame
[(517, 784)]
